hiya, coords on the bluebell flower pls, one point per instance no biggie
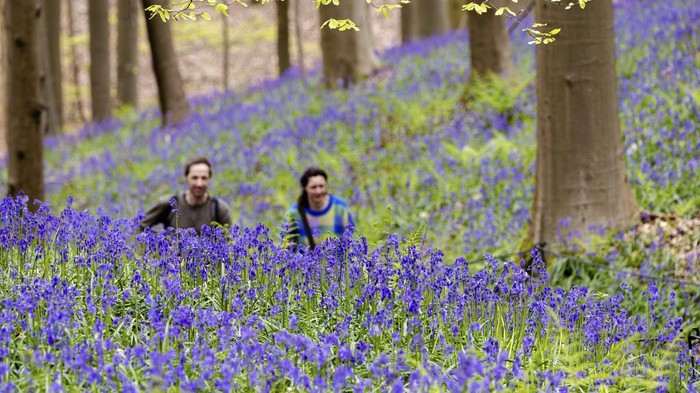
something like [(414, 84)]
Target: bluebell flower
[(491, 348)]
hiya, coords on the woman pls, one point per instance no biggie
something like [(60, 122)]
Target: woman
[(317, 212)]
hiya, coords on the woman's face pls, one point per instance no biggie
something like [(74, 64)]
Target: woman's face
[(316, 191)]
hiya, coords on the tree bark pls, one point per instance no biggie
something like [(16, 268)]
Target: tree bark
[(348, 56), (3, 79), (98, 18), (580, 172), (49, 118), (128, 15), (52, 18), (283, 56), (297, 36), (430, 17), (75, 67), (226, 50), (171, 93), (25, 171), (489, 45), (458, 18), (407, 24)]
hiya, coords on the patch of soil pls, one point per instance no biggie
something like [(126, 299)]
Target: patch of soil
[(681, 236)]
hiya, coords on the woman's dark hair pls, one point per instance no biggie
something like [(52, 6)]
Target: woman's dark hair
[(195, 161), (304, 181), (303, 200)]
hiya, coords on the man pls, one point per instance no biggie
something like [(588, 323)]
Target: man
[(194, 207)]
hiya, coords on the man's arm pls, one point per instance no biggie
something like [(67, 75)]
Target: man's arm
[(223, 212), (158, 214)]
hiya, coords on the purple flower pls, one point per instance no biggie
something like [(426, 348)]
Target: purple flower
[(491, 348)]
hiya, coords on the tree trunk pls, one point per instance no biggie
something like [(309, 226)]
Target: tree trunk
[(283, 56), (458, 18), (226, 50), (98, 18), (581, 178), (3, 79), (299, 42), (128, 15), (75, 67), (52, 17), (25, 171), (407, 24), (348, 56), (171, 93), (489, 45), (430, 18), (49, 120)]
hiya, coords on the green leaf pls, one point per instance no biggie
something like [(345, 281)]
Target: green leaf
[(480, 9), (222, 9)]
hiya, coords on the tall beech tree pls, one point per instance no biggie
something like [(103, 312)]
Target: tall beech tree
[(580, 173), (298, 39), (51, 15), (407, 27), (429, 17), (171, 92), (3, 76), (226, 54), (458, 18), (424, 18), (128, 15), (25, 109), (74, 66), (49, 120), (489, 47), (348, 56), (283, 56), (100, 82)]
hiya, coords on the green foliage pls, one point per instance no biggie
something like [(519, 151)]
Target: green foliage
[(500, 94), (340, 24)]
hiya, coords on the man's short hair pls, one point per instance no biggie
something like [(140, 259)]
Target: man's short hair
[(195, 161)]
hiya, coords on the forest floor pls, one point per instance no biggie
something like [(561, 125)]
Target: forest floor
[(679, 235)]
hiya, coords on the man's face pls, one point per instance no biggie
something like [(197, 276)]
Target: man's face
[(316, 190), (198, 180)]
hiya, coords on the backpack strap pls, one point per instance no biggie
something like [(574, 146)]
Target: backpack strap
[(214, 209), (307, 228)]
